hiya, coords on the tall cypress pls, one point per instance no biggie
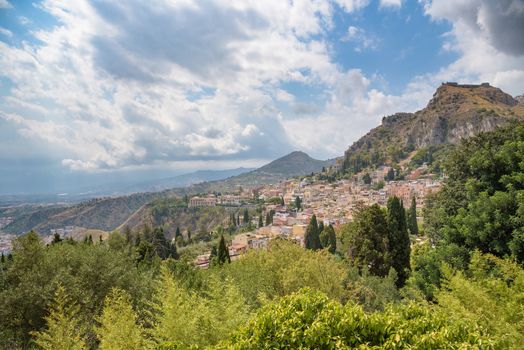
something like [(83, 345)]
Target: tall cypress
[(311, 237), (398, 239), (223, 252), (328, 239), (246, 217), (412, 217), (260, 221), (178, 233)]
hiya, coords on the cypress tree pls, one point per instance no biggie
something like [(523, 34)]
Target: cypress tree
[(311, 237), (246, 217), (223, 252), (298, 203), (412, 217), (188, 235), (328, 239), (238, 219), (260, 221), (56, 238), (399, 245), (320, 227), (213, 256), (282, 203), (268, 219), (177, 232), (2, 260)]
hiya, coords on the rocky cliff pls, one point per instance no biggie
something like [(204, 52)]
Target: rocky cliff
[(455, 112)]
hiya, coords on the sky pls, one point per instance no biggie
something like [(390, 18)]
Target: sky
[(96, 92)]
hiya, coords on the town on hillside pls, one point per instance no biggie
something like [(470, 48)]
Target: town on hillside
[(290, 204)]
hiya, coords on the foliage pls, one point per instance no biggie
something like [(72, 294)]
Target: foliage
[(186, 318), (492, 297), (310, 320), (64, 331), (118, 324), (367, 237), (312, 235), (285, 268), (86, 272), (398, 239), (366, 179), (481, 205), (412, 217), (223, 252), (328, 239)]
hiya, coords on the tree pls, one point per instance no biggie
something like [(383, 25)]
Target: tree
[(366, 178), (118, 324), (390, 176), (56, 238), (320, 227), (260, 221), (128, 235), (328, 239), (64, 330), (308, 319), (246, 217), (311, 237), (188, 235), (238, 219), (178, 233), (298, 203), (223, 252), (282, 203), (398, 239), (268, 219), (367, 238), (412, 217)]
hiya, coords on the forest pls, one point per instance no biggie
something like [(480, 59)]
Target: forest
[(379, 282)]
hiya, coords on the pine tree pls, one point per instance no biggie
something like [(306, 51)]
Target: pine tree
[(223, 252), (64, 329), (246, 217), (311, 237), (412, 217), (118, 324), (260, 221), (398, 239)]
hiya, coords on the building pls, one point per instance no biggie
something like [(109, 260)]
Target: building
[(202, 202)]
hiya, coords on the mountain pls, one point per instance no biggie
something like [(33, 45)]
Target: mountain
[(296, 163), (186, 180), (111, 212), (455, 112)]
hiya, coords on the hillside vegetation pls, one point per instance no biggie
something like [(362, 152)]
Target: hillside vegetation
[(459, 288)]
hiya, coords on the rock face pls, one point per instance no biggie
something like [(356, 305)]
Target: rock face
[(455, 112)]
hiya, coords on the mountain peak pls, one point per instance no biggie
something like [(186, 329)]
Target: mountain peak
[(293, 164), (456, 111)]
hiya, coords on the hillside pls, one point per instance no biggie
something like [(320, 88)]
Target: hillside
[(103, 214), (455, 112), (293, 164), (171, 213)]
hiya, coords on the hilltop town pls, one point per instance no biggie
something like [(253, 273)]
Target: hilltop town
[(333, 203)]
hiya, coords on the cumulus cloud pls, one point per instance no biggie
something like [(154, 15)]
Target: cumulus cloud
[(488, 36), (4, 4)]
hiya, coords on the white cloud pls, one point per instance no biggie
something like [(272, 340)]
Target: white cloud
[(6, 32), (363, 40), (488, 37), (390, 3), (4, 4)]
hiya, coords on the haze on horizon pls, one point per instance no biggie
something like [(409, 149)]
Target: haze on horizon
[(98, 92)]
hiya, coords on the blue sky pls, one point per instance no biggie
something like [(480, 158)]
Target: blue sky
[(101, 91)]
